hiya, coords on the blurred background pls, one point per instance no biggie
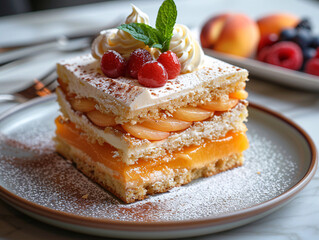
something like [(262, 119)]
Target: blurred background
[(33, 22), (30, 22), (9, 7)]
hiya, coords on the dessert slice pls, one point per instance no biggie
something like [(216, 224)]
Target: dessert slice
[(142, 122), (135, 140)]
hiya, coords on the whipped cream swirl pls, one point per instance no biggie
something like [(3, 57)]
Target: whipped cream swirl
[(187, 49), (183, 44), (137, 16), (118, 40)]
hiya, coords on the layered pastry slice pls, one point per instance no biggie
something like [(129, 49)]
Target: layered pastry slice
[(135, 140)]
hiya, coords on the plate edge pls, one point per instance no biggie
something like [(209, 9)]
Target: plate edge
[(172, 225)]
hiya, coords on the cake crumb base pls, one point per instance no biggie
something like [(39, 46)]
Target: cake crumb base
[(129, 194)]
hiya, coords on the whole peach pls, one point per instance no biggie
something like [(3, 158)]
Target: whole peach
[(230, 33), (274, 23)]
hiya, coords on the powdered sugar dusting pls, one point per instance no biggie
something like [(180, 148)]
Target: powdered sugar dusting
[(30, 168)]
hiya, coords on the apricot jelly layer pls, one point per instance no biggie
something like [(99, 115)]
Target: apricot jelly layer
[(145, 169)]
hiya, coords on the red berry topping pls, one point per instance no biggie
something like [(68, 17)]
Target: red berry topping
[(267, 40), (113, 64), (285, 54), (312, 66), (317, 53), (152, 74), (137, 58), (171, 64), (262, 54)]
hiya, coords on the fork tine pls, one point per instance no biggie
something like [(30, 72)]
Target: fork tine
[(52, 86), (50, 79), (47, 75), (39, 86), (49, 86)]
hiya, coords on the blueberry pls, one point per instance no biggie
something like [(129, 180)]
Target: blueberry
[(304, 24), (307, 53), (287, 34), (315, 42), (303, 38)]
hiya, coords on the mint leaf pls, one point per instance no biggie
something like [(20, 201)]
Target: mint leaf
[(160, 36), (158, 45), (145, 33), (165, 21)]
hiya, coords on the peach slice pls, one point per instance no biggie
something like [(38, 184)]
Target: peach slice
[(241, 94), (192, 114), (166, 125), (142, 132), (218, 105), (83, 105), (63, 85), (101, 119)]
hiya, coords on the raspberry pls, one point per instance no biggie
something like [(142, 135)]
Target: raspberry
[(312, 66), (152, 74), (262, 54), (171, 64), (113, 64), (267, 40), (285, 54), (137, 58)]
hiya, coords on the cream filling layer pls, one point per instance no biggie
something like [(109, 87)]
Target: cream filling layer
[(131, 149), (85, 79)]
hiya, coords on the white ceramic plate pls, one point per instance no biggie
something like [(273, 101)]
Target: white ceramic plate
[(270, 72), (281, 160)]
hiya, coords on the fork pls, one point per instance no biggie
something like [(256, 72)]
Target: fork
[(65, 43), (41, 87), (61, 45)]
